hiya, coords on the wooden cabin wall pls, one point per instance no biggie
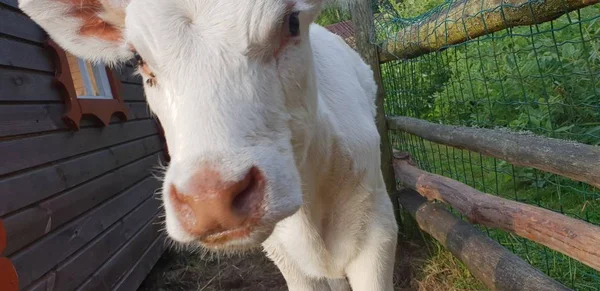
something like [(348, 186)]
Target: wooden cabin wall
[(79, 207)]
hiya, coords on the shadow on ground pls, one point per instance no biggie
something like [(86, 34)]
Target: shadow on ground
[(183, 271)]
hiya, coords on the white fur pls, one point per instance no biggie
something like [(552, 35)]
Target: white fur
[(305, 118)]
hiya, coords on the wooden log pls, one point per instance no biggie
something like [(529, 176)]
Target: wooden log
[(31, 224), (31, 186), (565, 158), (10, 3), (37, 150), (143, 266), (19, 25), (127, 75), (132, 92), (570, 236), (135, 226), (464, 20), (23, 55), (44, 284), (21, 85), (139, 110), (19, 119), (142, 222), (122, 261), (16, 119), (488, 261), (40, 257), (76, 201)]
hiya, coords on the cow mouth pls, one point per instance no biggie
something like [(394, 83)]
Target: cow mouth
[(222, 238), (239, 239)]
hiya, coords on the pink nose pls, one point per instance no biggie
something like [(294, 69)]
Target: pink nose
[(214, 206)]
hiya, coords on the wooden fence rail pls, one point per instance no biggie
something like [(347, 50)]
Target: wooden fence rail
[(468, 19), (488, 261), (577, 161), (575, 238)]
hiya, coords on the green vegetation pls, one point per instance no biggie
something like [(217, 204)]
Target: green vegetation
[(543, 79), (332, 15), (407, 9), (443, 271)]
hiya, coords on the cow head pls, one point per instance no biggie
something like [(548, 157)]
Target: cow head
[(232, 84)]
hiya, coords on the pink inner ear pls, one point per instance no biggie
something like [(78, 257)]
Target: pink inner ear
[(94, 26)]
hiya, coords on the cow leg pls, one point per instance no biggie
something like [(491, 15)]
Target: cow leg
[(373, 268), (296, 280)]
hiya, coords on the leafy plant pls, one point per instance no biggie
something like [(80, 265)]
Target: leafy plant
[(542, 79)]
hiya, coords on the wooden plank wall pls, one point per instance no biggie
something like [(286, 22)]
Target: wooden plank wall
[(78, 208)]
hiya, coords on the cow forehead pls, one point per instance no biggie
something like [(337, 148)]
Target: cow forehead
[(209, 15), (174, 26)]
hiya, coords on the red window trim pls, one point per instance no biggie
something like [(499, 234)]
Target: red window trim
[(103, 109)]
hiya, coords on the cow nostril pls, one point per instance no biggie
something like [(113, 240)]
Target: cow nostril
[(243, 201), (213, 206)]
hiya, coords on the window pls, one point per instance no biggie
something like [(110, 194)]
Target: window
[(90, 81), (88, 89)]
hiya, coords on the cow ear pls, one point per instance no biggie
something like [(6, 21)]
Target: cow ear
[(89, 29)]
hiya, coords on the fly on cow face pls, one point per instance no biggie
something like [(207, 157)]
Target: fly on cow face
[(144, 70)]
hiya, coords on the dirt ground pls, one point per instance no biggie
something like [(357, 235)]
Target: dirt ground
[(183, 271)]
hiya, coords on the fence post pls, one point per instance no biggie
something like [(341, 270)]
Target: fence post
[(364, 27)]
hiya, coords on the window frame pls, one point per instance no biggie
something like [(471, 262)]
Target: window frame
[(100, 107)]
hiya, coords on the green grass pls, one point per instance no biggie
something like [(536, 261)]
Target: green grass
[(332, 15), (543, 79), (443, 271)]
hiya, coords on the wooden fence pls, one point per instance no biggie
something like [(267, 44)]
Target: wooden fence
[(487, 260), (575, 238), (469, 19), (418, 192)]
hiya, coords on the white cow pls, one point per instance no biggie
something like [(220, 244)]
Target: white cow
[(269, 120)]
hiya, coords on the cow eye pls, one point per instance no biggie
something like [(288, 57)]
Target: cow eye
[(137, 57), (294, 24)]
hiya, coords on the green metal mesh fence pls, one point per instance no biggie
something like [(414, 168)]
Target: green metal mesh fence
[(543, 78)]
